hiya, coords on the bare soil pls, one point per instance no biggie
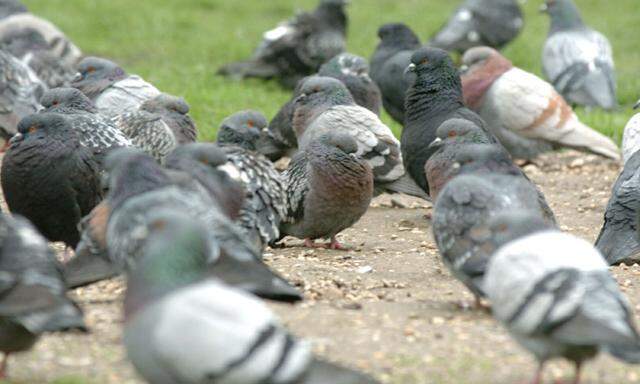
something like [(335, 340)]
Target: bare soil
[(388, 307)]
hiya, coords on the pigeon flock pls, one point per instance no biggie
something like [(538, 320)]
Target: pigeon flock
[(109, 165)]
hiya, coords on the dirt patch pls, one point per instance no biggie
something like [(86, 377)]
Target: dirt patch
[(388, 307)]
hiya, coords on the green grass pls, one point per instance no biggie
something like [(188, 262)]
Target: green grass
[(178, 45)]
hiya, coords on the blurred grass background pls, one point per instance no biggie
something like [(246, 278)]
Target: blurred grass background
[(179, 44)]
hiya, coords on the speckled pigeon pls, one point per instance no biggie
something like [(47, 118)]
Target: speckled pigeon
[(175, 113), (388, 64), (298, 47), (21, 90), (328, 189), (452, 138), (33, 292), (576, 59), (353, 71), (265, 205), (525, 112), (327, 106), (436, 96), (49, 177), (631, 136), (183, 326), (554, 294), (467, 203), (618, 240), (494, 23), (32, 49), (95, 132), (112, 90)]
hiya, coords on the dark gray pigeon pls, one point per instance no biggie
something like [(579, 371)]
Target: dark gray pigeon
[(436, 96), (21, 90), (33, 292), (49, 177), (30, 47), (493, 23), (266, 203), (298, 47), (95, 132), (467, 203), (388, 65), (554, 294), (618, 240), (11, 7), (578, 60), (353, 71), (110, 87), (327, 106), (172, 302), (328, 189)]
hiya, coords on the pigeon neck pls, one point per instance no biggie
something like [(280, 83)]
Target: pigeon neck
[(476, 84), (135, 180), (433, 94), (568, 17)]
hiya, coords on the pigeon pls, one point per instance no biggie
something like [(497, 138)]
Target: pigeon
[(328, 189), (30, 47), (33, 298), (158, 126), (138, 187), (14, 18), (353, 71), (436, 96), (618, 240), (49, 177), (578, 60), (171, 302), (493, 23), (487, 185), (388, 63), (95, 132), (452, 138), (554, 294), (112, 90), (327, 106), (525, 112), (631, 136), (298, 47), (266, 202), (21, 91)]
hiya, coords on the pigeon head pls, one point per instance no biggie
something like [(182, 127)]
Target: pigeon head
[(96, 74), (345, 64), (398, 35), (431, 60), (38, 126), (316, 95), (332, 13), (481, 66), (19, 42), (166, 104), (564, 14), (65, 100), (459, 131), (243, 129), (11, 7), (512, 225)]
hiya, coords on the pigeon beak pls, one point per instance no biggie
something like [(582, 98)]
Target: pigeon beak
[(637, 105), (300, 98), (77, 77), (410, 68), (463, 69), (437, 143), (16, 138), (543, 8), (354, 155)]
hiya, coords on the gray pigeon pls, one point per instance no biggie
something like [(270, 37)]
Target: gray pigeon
[(113, 91), (493, 23), (95, 132), (266, 203), (353, 71), (328, 189), (21, 90), (388, 64), (618, 240), (11, 7), (298, 47), (554, 294), (183, 326), (30, 47), (467, 203), (33, 292), (576, 59), (327, 106), (631, 136)]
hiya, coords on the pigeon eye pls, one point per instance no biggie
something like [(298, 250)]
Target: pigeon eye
[(250, 123), (32, 129), (502, 228), (55, 102), (452, 134), (91, 69), (159, 224), (424, 61)]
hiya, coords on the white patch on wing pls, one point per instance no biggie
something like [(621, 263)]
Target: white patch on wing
[(230, 169), (278, 32)]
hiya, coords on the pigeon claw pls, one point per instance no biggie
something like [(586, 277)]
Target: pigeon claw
[(335, 244)]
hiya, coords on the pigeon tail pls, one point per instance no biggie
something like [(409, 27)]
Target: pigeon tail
[(322, 372), (249, 68), (404, 184), (584, 138), (629, 354), (618, 246), (88, 268)]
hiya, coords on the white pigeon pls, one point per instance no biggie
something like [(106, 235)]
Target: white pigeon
[(631, 136)]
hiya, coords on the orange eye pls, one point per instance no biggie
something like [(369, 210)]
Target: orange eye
[(502, 227), (452, 134), (91, 70), (250, 123), (424, 61), (55, 102), (158, 224), (32, 129)]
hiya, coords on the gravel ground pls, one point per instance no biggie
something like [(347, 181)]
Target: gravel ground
[(388, 307)]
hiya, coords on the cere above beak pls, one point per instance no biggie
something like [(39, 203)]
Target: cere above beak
[(410, 68), (436, 143), (464, 68)]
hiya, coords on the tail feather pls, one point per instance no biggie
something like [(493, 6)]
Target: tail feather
[(629, 354), (249, 68), (404, 184), (618, 245), (322, 372), (584, 138), (87, 268)]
